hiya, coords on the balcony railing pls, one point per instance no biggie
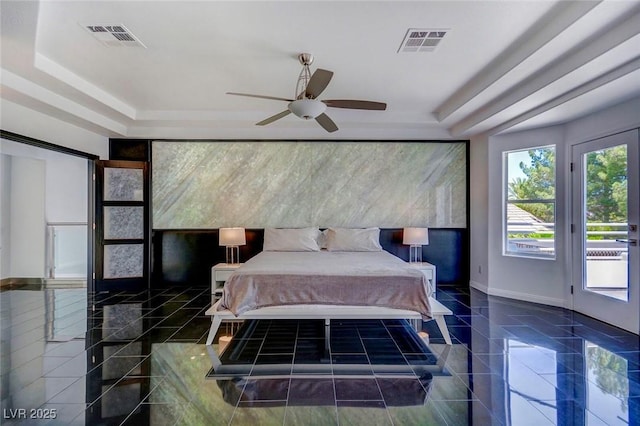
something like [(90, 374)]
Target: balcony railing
[(601, 237), (66, 250), (606, 258)]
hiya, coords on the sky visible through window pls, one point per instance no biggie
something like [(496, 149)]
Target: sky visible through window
[(515, 158)]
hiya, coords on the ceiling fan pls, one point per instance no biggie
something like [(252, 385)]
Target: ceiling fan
[(306, 105)]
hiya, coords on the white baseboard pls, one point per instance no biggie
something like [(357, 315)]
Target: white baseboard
[(479, 286), (535, 298)]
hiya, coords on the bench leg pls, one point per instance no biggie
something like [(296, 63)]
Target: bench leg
[(442, 325), (215, 325), (416, 324), (327, 338), (213, 356)]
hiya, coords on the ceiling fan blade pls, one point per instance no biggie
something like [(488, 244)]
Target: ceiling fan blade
[(274, 118), (327, 123), (260, 96), (318, 82), (355, 104)]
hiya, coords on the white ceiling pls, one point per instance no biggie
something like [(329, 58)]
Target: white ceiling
[(503, 65)]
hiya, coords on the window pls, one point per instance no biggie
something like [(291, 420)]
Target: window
[(529, 226)]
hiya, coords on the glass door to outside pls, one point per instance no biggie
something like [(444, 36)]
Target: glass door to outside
[(605, 229)]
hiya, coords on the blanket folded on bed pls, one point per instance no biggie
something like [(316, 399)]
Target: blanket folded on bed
[(326, 278)]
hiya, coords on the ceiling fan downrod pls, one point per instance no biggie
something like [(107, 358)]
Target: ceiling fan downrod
[(305, 59)]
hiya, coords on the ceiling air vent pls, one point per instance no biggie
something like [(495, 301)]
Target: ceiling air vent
[(114, 35), (422, 40)]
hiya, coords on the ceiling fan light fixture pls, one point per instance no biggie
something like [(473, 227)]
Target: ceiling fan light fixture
[(306, 104), (307, 108)]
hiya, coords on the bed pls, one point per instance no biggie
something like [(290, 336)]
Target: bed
[(353, 278)]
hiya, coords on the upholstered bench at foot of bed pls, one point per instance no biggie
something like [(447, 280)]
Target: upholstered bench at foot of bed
[(327, 313)]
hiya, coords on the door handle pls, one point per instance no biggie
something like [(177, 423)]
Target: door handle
[(631, 242)]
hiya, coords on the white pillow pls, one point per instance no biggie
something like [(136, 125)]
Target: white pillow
[(350, 239), (291, 239)]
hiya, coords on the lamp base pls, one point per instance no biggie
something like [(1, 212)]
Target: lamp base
[(415, 254), (233, 255)]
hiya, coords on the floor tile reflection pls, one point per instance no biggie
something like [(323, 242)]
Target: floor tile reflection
[(139, 358)]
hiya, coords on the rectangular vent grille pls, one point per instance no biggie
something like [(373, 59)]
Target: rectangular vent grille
[(114, 35), (422, 40)]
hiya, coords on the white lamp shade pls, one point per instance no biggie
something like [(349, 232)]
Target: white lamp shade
[(307, 108), (232, 237), (415, 236)]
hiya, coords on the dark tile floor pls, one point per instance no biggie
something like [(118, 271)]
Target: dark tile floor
[(140, 359)]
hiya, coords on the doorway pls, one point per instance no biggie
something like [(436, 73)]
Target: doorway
[(605, 217), (45, 212)]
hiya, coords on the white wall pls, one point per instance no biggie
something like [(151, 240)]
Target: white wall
[(613, 120), (478, 210), (26, 122), (67, 188), (536, 280), (27, 233), (5, 215), (66, 181)]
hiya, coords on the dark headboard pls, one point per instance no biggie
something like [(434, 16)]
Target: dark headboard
[(185, 256)]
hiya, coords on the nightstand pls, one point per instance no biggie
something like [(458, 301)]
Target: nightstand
[(220, 273), (429, 272)]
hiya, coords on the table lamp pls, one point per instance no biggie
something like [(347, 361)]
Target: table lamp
[(232, 239), (415, 238)]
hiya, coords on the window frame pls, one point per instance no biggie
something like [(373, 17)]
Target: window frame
[(506, 201)]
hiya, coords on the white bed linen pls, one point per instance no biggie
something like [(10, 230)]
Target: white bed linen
[(327, 263)]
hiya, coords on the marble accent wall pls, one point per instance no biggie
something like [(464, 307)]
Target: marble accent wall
[(297, 184)]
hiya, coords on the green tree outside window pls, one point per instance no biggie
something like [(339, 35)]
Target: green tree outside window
[(606, 184), (539, 183)]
